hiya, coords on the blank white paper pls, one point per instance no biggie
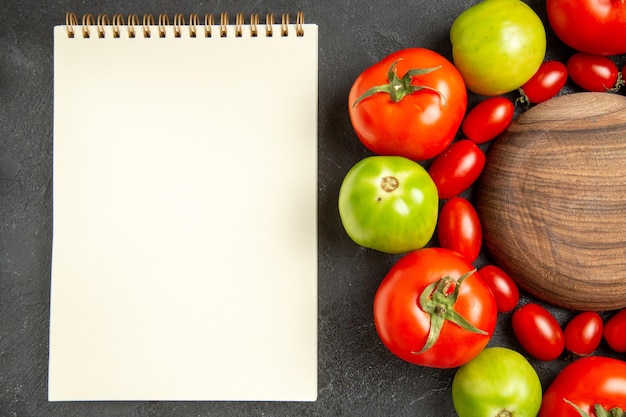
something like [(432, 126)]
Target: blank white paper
[(184, 262)]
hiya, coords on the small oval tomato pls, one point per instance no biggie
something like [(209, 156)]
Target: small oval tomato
[(497, 45), (498, 382), (502, 286), (538, 332), (583, 333), (593, 72), (457, 168), (615, 331), (585, 383), (389, 203), (410, 104), (545, 84), (488, 119), (458, 228), (432, 309)]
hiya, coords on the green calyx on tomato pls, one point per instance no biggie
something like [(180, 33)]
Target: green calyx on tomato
[(438, 300), (398, 88), (598, 410)]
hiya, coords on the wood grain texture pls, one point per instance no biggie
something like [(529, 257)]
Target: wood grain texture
[(552, 200)]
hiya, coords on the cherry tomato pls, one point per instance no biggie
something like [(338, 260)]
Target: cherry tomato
[(538, 332), (459, 228), (432, 309), (595, 26), (585, 383), (593, 72), (488, 119), (615, 331), (502, 286), (545, 84), (583, 333), (457, 168), (411, 104)]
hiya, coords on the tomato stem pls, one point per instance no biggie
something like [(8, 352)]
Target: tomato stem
[(438, 301), (397, 88), (523, 98), (598, 410), (618, 84)]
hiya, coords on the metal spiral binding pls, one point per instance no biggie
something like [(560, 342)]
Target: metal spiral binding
[(117, 23)]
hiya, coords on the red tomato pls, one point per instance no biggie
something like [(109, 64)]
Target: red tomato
[(458, 228), (457, 168), (593, 72), (586, 382), (545, 84), (409, 104), (595, 26), (583, 333), (538, 332), (488, 119), (502, 286), (420, 301), (615, 331)]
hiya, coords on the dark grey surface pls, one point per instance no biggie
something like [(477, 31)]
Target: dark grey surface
[(357, 375)]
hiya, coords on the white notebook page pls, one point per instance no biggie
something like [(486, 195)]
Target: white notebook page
[(185, 246)]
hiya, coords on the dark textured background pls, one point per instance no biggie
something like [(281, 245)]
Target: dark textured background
[(357, 375)]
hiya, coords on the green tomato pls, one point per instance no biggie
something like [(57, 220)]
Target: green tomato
[(497, 45), (499, 382), (389, 203)]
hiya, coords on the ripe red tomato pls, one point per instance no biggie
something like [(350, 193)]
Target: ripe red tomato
[(583, 333), (502, 286), (593, 72), (615, 331), (459, 228), (430, 304), (454, 170), (409, 104), (586, 382), (545, 84), (488, 119), (595, 26), (538, 332)]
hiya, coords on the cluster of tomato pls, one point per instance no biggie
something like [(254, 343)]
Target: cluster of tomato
[(408, 110)]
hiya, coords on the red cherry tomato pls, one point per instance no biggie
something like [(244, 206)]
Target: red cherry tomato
[(538, 332), (545, 84), (615, 331), (593, 72), (488, 119), (454, 170), (502, 286), (583, 333), (459, 228)]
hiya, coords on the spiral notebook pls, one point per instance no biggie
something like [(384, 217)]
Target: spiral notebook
[(184, 263)]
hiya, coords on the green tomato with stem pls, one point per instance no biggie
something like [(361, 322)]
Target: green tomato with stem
[(389, 203), (499, 382), (497, 45)]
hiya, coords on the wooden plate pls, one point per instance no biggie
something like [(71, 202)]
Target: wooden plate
[(552, 200)]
